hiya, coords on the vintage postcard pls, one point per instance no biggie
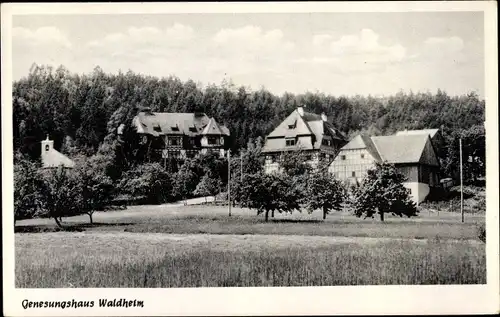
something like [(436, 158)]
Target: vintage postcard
[(294, 158)]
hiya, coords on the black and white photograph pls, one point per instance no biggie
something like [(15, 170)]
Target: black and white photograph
[(243, 149)]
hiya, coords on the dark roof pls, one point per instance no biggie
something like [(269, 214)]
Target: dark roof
[(160, 123)]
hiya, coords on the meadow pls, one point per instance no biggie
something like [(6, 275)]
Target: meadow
[(194, 246)]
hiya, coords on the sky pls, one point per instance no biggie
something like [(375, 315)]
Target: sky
[(334, 53)]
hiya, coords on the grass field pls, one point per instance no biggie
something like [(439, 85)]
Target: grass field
[(215, 220), (156, 246)]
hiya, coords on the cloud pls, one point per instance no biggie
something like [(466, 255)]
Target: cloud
[(321, 39), (140, 42), (252, 39), (366, 47), (249, 50), (352, 53), (43, 36)]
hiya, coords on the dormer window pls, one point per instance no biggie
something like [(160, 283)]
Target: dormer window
[(157, 128), (292, 126), (175, 128), (192, 129)]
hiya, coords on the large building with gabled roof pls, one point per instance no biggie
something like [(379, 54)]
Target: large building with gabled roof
[(302, 131), (413, 155), (180, 135)]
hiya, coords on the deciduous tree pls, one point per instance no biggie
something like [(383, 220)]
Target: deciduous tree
[(324, 192), (382, 191), (94, 188), (268, 193), (59, 192), (28, 199)]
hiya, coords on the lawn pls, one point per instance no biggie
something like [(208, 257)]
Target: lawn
[(192, 246), (97, 259), (215, 220)]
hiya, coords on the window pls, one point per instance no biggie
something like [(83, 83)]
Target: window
[(192, 129), (342, 157), (353, 174), (212, 140), (47, 147), (157, 128), (192, 141), (362, 156), (290, 142), (176, 128), (326, 142), (292, 125), (174, 141)]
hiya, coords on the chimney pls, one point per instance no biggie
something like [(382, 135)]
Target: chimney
[(324, 117), (300, 110)]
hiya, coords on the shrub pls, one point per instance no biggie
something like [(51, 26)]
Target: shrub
[(149, 180), (28, 199), (481, 232)]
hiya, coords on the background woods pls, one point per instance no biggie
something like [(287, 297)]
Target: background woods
[(84, 111)]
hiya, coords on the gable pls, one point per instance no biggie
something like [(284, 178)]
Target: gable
[(429, 155), (295, 120)]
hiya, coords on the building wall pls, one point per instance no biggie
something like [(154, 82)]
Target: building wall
[(219, 141), (273, 165), (418, 191), (411, 172), (305, 141), (349, 161)]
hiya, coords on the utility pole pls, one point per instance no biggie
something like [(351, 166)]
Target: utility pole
[(461, 182), (229, 181)]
